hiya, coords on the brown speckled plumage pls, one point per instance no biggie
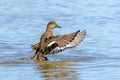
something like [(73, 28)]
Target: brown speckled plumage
[(62, 41)]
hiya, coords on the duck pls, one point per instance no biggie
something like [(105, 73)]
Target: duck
[(50, 44), (44, 37)]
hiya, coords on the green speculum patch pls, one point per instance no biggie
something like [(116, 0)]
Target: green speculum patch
[(50, 48), (47, 50)]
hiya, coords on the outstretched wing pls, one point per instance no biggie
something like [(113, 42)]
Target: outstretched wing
[(59, 43)]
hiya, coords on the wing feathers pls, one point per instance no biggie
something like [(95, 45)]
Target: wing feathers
[(68, 41), (64, 41)]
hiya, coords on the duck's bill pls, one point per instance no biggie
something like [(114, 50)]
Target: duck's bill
[(58, 26)]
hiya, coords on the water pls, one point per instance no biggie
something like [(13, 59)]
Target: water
[(96, 58)]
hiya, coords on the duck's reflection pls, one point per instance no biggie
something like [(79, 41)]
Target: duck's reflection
[(64, 69)]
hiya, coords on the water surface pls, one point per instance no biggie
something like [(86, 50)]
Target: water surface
[(97, 58)]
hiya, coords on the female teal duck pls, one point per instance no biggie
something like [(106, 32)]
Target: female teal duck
[(55, 44)]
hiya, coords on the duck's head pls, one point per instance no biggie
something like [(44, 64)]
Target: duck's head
[(52, 25)]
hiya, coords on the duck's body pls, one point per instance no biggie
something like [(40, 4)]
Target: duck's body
[(50, 44), (44, 37)]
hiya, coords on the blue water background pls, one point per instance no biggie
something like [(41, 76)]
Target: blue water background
[(97, 58)]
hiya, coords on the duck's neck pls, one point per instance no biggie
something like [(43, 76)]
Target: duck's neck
[(49, 29)]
